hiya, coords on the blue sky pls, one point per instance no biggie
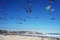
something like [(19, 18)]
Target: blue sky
[(13, 15)]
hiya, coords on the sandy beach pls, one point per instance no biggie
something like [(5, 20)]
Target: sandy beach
[(18, 37)]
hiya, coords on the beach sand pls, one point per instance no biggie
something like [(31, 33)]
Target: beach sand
[(18, 37)]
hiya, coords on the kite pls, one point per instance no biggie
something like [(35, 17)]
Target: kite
[(23, 20), (29, 17), (28, 2), (52, 10), (30, 11), (21, 23), (26, 9), (52, 18), (1, 17), (48, 7), (51, 1), (50, 13), (36, 17)]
